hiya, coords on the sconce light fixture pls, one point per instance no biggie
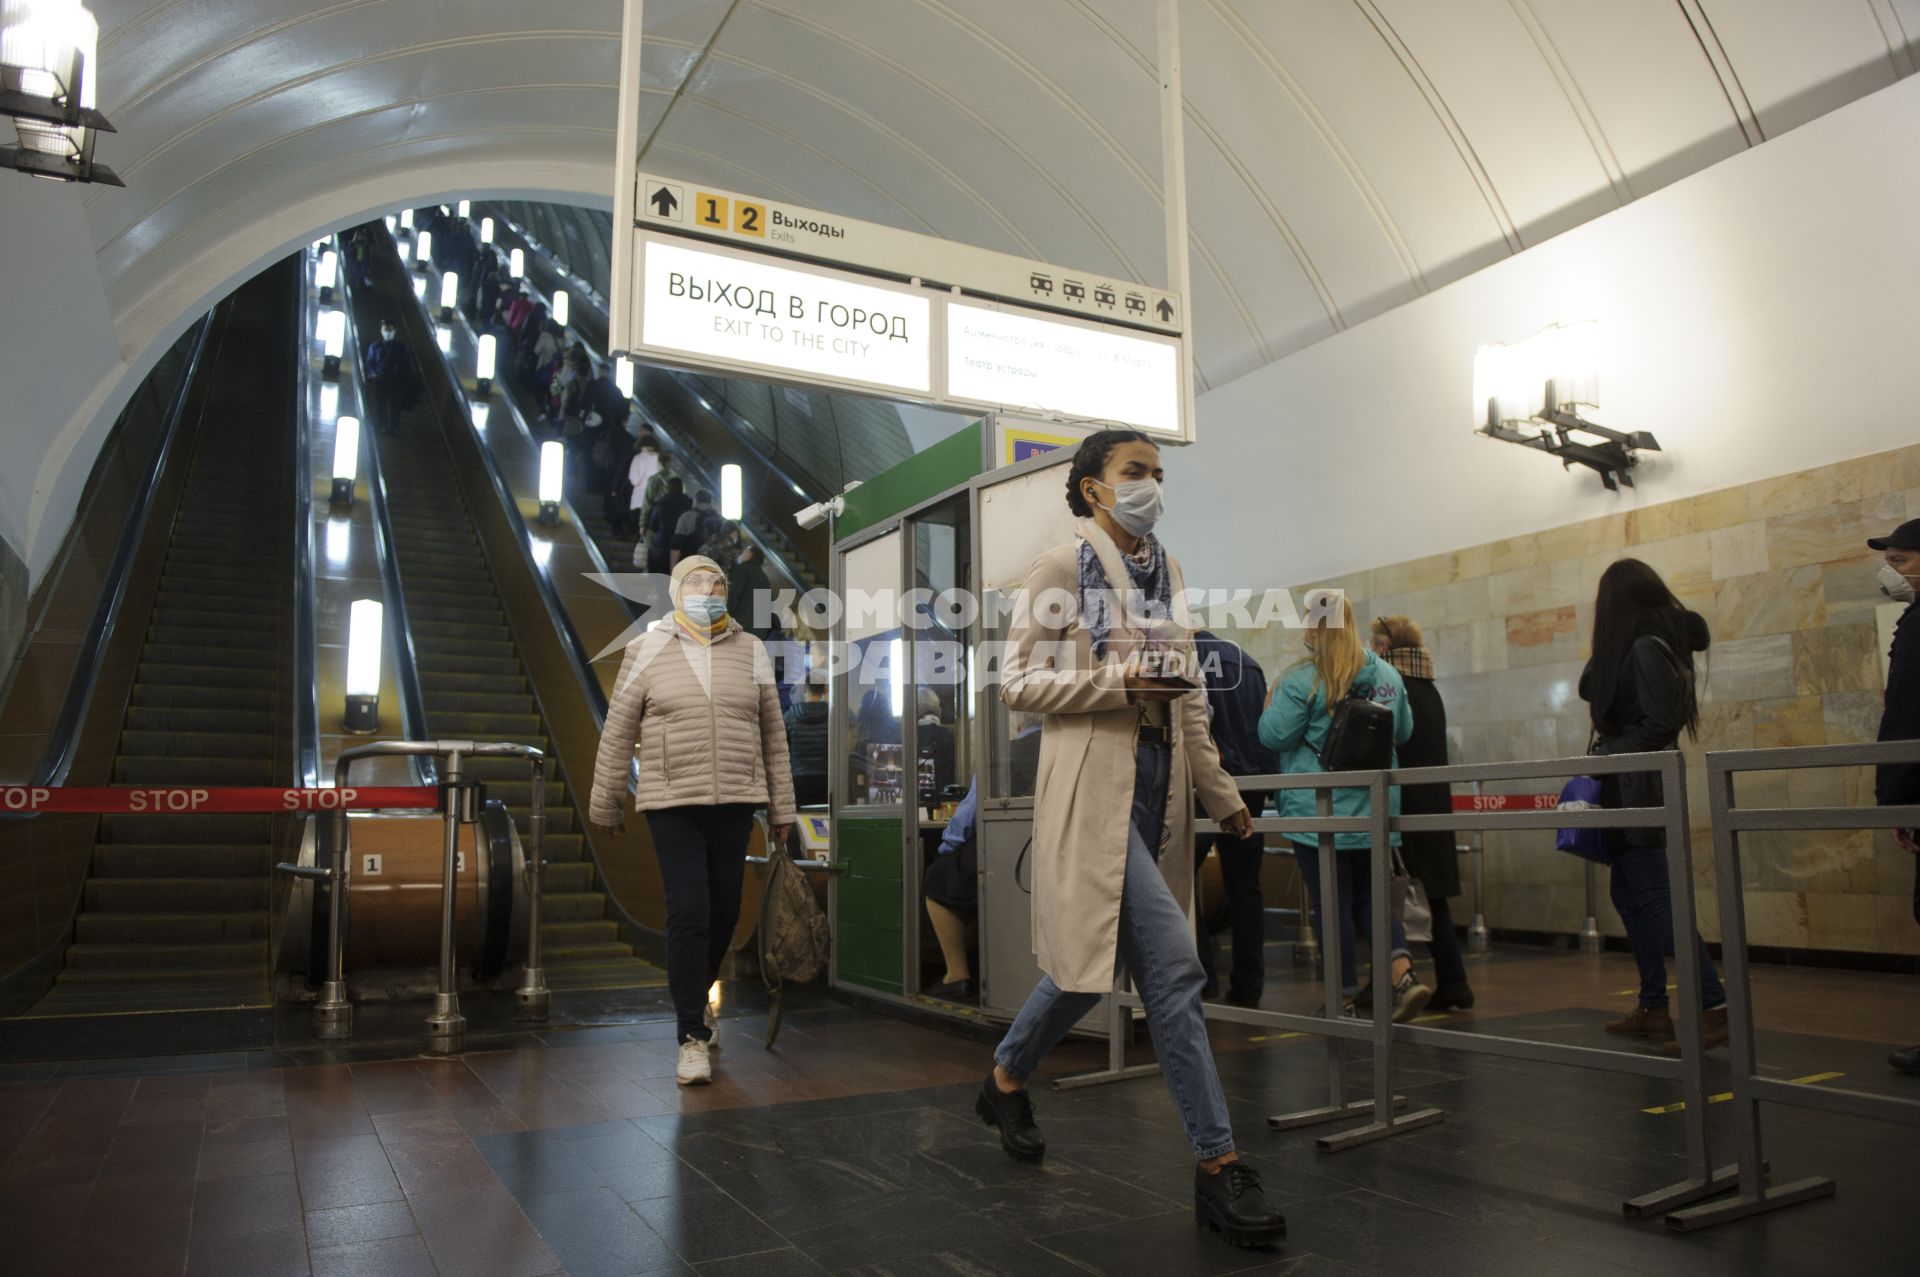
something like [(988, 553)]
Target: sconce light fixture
[(1532, 392)]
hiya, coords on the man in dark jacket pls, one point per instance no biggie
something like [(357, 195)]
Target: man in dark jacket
[(662, 519), (693, 527), (1898, 784), (390, 382), (807, 746), (1236, 693)]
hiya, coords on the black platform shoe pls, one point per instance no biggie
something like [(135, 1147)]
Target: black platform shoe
[(1013, 1115), (1451, 998), (1232, 1202)]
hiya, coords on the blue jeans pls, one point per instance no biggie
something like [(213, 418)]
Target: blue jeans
[(1643, 897), (1353, 880), (1156, 943)]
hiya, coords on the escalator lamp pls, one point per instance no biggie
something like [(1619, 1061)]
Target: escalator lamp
[(346, 448), (449, 289), (466, 208), (327, 273), (486, 230), (517, 264), (333, 333), (443, 337), (623, 375), (423, 247), (420, 284), (406, 218), (483, 358), (730, 492), (560, 307), (363, 647), (553, 462)]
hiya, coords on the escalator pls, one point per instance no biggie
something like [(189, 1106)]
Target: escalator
[(174, 911), (474, 682)]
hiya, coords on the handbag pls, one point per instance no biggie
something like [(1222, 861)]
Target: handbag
[(1409, 902), (1582, 793)]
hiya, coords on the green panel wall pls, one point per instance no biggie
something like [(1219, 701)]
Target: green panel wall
[(867, 938), (952, 461)]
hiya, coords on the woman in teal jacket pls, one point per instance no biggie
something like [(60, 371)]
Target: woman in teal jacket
[(1295, 725)]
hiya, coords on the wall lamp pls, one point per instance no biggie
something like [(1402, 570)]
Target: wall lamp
[(483, 365), (364, 622), (346, 460), (47, 86), (486, 230), (517, 264), (560, 311), (553, 465), (1531, 393)]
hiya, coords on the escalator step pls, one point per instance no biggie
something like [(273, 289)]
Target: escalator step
[(250, 656), (563, 955), (469, 683), (173, 831), (180, 862), (564, 935), (571, 878), (188, 696), (142, 961), (213, 678), (568, 906), (454, 700), (176, 895), (258, 723), (432, 661), (525, 727), (221, 747), (198, 618), (129, 769), (156, 928)]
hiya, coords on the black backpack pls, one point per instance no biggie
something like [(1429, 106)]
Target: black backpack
[(1361, 737)]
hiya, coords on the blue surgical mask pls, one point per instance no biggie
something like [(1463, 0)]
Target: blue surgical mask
[(1137, 504), (706, 608)]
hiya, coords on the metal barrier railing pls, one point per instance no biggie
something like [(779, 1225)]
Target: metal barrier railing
[(446, 1027), (1756, 1193), (1703, 1179)]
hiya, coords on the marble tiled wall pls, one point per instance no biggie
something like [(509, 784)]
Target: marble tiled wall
[(1781, 572)]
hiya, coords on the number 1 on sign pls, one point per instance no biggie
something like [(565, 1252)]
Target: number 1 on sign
[(711, 210)]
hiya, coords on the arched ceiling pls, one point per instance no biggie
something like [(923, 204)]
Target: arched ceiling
[(1344, 156)]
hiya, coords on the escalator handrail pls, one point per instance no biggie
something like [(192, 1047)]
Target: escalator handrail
[(306, 673), (64, 739), (413, 702), (577, 656), (777, 556)]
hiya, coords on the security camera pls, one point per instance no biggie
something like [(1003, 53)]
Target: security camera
[(816, 514)]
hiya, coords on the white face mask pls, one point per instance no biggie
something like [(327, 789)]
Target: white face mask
[(1893, 585), (1137, 504)]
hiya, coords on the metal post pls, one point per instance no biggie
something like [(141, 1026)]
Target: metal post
[(446, 1028), (1477, 936), (1385, 1121), (1173, 196), (333, 1014), (535, 1001), (1590, 932)]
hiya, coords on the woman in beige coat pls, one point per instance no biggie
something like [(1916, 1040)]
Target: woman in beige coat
[(1123, 750), (697, 693)]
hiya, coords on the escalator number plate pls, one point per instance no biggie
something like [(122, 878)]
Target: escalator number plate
[(370, 865)]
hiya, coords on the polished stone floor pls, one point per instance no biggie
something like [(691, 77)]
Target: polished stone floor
[(851, 1148)]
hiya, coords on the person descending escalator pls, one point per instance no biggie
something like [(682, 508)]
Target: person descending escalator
[(696, 694), (663, 522)]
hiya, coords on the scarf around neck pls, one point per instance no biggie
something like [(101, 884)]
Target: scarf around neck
[(1148, 577), (1414, 662)]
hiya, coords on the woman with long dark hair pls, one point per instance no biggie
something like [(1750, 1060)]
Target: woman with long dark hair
[(1640, 687)]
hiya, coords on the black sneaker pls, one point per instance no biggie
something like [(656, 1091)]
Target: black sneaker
[(1907, 1061), (1013, 1115), (1232, 1203)]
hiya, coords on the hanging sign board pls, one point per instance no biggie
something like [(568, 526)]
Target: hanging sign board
[(770, 226), (733, 310), (1037, 363)]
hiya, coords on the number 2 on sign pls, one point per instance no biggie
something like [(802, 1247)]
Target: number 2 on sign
[(749, 219), (711, 210)]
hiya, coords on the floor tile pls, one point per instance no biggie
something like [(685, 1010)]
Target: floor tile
[(370, 1222), (381, 1257)]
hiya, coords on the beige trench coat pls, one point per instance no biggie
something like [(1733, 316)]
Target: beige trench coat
[(1083, 794)]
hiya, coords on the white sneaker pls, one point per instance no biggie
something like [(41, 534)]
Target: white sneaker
[(713, 1029), (694, 1069)]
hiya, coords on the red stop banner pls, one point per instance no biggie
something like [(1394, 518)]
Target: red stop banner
[(1505, 802), (196, 800)]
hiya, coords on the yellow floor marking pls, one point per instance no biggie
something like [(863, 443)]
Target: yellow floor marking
[(1627, 993), (1724, 1096), (1276, 1037), (1429, 1019)]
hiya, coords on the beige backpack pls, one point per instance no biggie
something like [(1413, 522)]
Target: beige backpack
[(792, 933)]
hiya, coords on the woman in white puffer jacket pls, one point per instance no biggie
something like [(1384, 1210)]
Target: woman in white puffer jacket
[(697, 694)]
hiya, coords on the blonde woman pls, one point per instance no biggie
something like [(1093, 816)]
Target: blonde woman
[(696, 692), (1295, 724)]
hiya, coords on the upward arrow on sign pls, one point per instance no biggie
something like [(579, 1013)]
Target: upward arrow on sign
[(1165, 311), (663, 202)]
